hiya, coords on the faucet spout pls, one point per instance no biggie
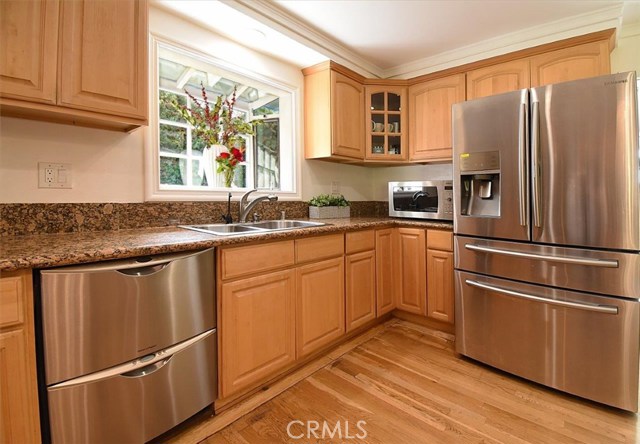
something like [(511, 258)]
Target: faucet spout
[(247, 207)]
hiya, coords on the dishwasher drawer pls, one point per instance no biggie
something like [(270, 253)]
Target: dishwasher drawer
[(576, 342), (137, 405), (99, 315)]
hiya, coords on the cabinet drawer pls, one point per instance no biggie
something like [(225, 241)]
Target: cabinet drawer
[(242, 261), (320, 247), (360, 241), (11, 301), (440, 240)]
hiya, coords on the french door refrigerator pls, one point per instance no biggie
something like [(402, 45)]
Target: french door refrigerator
[(547, 235)]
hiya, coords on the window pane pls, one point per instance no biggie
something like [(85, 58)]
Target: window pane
[(272, 107), (173, 171), (197, 145), (167, 111), (173, 139), (199, 178), (268, 154)]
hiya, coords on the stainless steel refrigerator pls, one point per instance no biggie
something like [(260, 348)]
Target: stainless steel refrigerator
[(547, 235)]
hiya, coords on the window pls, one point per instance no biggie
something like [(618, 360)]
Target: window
[(182, 165)]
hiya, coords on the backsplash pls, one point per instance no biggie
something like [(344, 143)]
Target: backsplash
[(21, 219)]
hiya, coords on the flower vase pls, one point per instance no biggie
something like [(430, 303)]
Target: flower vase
[(228, 175)]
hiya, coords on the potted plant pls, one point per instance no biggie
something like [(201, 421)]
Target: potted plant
[(328, 206), (220, 129)]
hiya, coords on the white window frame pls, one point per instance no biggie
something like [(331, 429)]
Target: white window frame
[(289, 133)]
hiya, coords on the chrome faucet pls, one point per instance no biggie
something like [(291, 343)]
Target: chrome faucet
[(246, 207)]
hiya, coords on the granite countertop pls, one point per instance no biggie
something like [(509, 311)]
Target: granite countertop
[(51, 250)]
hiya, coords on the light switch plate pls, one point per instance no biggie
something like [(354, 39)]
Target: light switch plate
[(54, 175), (335, 187)]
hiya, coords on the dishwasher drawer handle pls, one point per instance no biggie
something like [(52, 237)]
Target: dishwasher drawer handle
[(145, 270), (149, 369), (132, 369), (607, 309), (546, 257)]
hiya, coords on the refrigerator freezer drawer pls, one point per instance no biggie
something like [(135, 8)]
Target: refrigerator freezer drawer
[(579, 343), (99, 315), (136, 406), (595, 271)]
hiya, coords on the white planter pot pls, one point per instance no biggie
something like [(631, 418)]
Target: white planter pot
[(329, 212)]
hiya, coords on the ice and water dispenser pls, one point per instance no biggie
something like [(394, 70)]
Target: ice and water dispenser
[(480, 184)]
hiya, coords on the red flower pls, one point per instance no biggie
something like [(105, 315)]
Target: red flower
[(233, 161), (224, 155), (238, 154)]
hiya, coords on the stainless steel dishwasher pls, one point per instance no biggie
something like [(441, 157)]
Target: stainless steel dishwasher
[(129, 346)]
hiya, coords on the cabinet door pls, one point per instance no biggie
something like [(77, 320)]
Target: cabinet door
[(412, 295), (103, 56), (361, 288), (29, 48), (386, 271), (347, 121), (440, 295), (497, 79), (319, 304), (257, 329), (386, 125), (577, 62), (430, 117)]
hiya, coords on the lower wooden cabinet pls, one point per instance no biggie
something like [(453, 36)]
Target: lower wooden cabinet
[(360, 274), (19, 420), (257, 328), (412, 287), (440, 292), (319, 304), (386, 269)]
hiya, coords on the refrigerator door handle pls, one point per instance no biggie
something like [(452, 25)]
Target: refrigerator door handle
[(132, 369), (606, 309), (522, 163), (535, 163), (546, 257)]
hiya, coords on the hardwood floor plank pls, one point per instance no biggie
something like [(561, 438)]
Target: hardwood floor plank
[(409, 386)]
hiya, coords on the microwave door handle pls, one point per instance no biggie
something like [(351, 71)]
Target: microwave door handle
[(536, 165), (607, 309), (522, 163)]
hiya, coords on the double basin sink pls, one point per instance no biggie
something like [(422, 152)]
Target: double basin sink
[(263, 227)]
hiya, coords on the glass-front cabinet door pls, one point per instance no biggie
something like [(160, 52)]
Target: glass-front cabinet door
[(387, 123)]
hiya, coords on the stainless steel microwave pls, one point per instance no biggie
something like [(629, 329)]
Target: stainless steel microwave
[(432, 199)]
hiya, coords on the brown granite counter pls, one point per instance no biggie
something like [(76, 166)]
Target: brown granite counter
[(51, 250)]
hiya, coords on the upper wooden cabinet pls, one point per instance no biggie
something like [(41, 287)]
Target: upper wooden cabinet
[(386, 123), (334, 114), (430, 116), (497, 79), (577, 62), (79, 62), (28, 50)]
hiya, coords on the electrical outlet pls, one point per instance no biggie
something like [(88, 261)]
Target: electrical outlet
[(54, 175), (335, 187)]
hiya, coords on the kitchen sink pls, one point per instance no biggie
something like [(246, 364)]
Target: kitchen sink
[(252, 227), (284, 224)]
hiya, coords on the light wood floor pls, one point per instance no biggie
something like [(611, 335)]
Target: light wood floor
[(410, 387)]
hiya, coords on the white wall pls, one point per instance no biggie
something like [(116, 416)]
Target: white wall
[(626, 55)]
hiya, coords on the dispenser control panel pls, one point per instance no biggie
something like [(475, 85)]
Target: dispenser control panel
[(486, 160)]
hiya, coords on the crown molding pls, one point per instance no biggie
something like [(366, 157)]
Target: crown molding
[(594, 21), (282, 21)]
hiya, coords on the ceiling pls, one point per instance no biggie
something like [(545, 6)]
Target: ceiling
[(400, 38)]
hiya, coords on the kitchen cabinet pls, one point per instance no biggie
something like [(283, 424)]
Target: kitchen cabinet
[(386, 122), (430, 117), (28, 52), (412, 273), (440, 289), (86, 62), (573, 63), (334, 114), (319, 304), (19, 420), (499, 78), (257, 329), (386, 271), (360, 278)]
